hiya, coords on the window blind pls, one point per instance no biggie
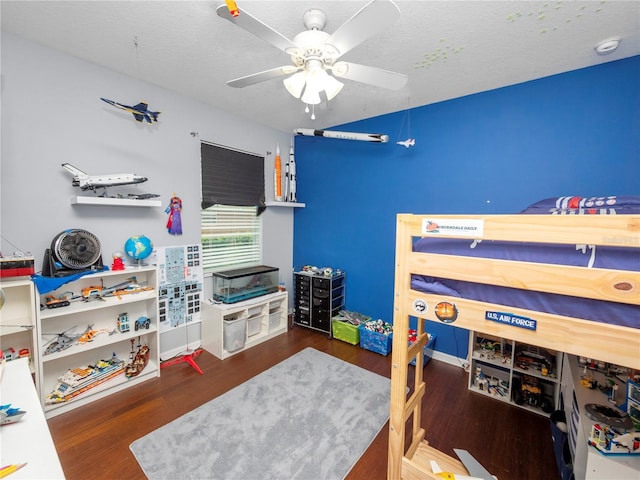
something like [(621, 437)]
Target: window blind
[(231, 177)]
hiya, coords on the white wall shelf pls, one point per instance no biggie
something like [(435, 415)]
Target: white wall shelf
[(119, 202), (274, 203)]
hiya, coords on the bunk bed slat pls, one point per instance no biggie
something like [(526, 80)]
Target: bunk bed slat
[(611, 343), (596, 283)]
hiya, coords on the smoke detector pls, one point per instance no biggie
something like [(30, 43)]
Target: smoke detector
[(607, 46)]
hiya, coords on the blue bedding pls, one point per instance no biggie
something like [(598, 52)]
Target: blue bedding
[(618, 258)]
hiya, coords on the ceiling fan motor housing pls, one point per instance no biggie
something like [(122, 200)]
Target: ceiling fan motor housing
[(315, 19)]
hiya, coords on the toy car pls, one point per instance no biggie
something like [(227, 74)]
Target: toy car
[(528, 390), (142, 322), (52, 302), (92, 291)]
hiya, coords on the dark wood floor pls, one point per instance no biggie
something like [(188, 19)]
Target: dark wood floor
[(93, 441)]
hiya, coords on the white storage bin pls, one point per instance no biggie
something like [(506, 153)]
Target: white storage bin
[(234, 334), (275, 305), (274, 321), (254, 325)]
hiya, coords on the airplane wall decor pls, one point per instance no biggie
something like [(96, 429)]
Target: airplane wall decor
[(139, 111), (91, 182)]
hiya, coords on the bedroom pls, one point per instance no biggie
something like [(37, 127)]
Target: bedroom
[(493, 152)]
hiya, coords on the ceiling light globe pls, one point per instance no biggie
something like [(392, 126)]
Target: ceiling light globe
[(311, 96), (332, 87), (295, 83)]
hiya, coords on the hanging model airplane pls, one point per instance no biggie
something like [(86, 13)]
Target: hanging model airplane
[(91, 182), (139, 111), (409, 142)]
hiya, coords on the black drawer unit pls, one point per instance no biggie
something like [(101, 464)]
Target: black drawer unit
[(318, 299)]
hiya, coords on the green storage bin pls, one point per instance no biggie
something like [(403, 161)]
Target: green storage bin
[(345, 331)]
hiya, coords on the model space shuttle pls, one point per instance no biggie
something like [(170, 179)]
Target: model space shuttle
[(91, 182)]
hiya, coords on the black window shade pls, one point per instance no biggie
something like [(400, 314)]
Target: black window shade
[(231, 177)]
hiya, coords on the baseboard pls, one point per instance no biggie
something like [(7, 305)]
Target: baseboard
[(169, 354), (450, 359)]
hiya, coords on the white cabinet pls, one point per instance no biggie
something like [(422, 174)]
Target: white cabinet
[(588, 462), (513, 372), (113, 336), (228, 329), (18, 321), (29, 439)]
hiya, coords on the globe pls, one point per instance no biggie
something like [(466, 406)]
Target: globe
[(138, 247)]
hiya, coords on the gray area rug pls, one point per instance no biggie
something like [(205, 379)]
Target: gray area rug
[(309, 417)]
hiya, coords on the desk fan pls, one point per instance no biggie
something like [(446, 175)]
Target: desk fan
[(72, 251)]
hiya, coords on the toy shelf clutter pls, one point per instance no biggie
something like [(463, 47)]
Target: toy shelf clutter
[(18, 336), (90, 331), (588, 462), (230, 328), (523, 375)]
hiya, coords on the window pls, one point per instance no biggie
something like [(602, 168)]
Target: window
[(231, 237), (232, 200)]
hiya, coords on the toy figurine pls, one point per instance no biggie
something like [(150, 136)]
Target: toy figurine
[(118, 263), (174, 223)]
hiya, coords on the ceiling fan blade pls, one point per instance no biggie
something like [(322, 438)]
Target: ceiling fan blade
[(252, 25), (374, 17), (370, 75), (262, 76)]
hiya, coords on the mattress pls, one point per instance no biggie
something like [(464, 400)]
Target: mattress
[(588, 256)]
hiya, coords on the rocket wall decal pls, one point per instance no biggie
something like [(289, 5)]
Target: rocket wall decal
[(277, 174), (292, 176)]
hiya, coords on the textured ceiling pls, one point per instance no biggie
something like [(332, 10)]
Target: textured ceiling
[(448, 49)]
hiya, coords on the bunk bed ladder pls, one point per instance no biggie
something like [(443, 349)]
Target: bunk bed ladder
[(406, 395), (402, 407)]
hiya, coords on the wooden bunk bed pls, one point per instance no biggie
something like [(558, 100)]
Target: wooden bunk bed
[(609, 342)]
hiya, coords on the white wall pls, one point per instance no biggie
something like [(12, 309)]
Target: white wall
[(52, 113)]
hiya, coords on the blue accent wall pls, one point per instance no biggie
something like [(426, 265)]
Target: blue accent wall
[(494, 152)]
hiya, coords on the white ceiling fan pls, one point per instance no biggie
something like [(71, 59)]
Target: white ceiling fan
[(315, 53)]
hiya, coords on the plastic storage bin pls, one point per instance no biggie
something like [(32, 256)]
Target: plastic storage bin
[(234, 334), (274, 321), (427, 352), (345, 331), (254, 325), (375, 341)]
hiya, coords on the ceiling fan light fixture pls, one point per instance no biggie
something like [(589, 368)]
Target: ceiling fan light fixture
[(332, 87), (295, 83), (311, 96)]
